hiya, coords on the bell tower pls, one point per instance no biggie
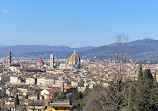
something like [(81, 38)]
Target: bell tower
[(52, 60), (9, 57)]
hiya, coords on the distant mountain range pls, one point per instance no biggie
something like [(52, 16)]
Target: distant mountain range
[(24, 50), (146, 49)]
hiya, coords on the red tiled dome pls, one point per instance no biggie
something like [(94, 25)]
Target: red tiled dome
[(40, 61), (74, 57)]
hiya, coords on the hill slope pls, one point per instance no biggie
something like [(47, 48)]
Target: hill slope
[(146, 49)]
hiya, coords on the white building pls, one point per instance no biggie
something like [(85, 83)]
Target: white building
[(41, 81), (44, 93), (30, 81), (13, 79), (49, 81)]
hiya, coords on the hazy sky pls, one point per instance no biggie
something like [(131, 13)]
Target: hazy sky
[(76, 23)]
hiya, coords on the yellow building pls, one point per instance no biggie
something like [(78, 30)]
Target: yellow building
[(60, 105)]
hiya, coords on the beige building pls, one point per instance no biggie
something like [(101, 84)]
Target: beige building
[(30, 81), (13, 79)]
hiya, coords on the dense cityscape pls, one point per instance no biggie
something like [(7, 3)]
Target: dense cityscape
[(78, 55), (47, 84)]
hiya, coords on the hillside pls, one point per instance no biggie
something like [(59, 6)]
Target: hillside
[(146, 49)]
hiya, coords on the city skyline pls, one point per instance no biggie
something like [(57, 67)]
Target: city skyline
[(75, 23), (78, 55)]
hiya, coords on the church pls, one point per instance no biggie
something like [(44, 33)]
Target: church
[(74, 61)]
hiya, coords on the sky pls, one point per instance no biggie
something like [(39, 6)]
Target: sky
[(76, 23)]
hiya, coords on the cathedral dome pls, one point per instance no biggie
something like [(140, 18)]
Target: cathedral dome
[(74, 57), (40, 62)]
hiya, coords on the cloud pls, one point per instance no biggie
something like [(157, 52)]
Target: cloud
[(4, 11)]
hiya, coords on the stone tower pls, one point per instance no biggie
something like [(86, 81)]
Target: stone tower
[(52, 60), (9, 57)]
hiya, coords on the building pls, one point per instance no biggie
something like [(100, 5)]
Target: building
[(9, 64), (5, 78), (15, 67), (48, 93), (9, 58), (74, 61), (31, 81), (40, 62), (27, 69), (13, 79), (35, 105), (63, 104), (52, 60), (49, 81), (1, 68), (41, 81)]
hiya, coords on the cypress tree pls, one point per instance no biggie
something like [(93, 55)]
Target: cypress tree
[(38, 95), (143, 91), (17, 102), (154, 95), (131, 98), (140, 73), (26, 97), (155, 82)]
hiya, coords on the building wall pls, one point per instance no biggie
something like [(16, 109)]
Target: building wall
[(30, 81), (61, 109), (41, 81), (13, 79), (5, 78), (44, 93), (49, 81)]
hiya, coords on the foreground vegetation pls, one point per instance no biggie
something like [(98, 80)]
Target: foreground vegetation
[(136, 95), (129, 95)]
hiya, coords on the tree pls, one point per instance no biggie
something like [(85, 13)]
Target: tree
[(87, 90), (140, 73), (38, 96), (38, 92), (131, 98), (113, 97), (154, 99), (115, 94), (60, 96), (23, 108), (95, 100), (26, 97), (17, 102), (144, 91), (119, 50), (76, 99), (155, 81), (55, 94)]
